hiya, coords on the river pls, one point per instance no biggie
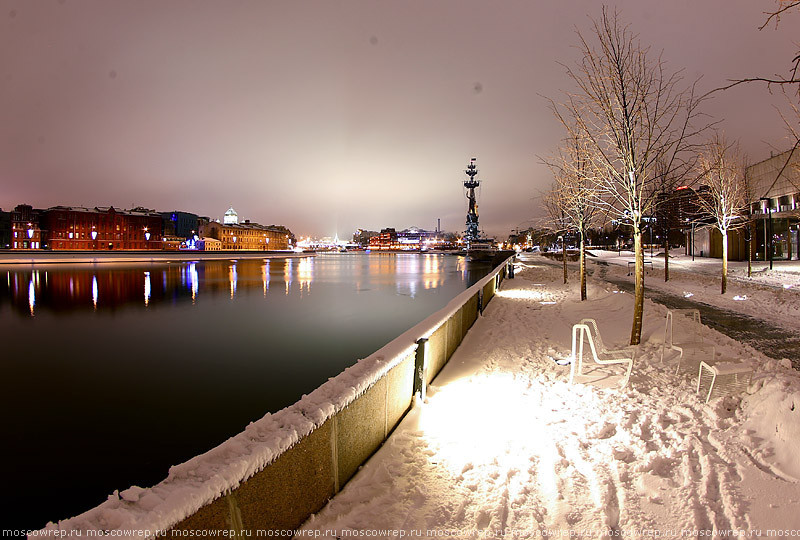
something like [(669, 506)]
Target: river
[(114, 372)]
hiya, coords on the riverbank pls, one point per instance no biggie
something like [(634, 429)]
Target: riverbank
[(50, 257)]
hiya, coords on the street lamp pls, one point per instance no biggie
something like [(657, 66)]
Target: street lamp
[(769, 214), (146, 234), (30, 231)]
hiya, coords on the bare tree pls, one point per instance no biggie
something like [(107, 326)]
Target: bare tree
[(722, 167), (558, 221), (574, 193), (792, 78), (632, 113)]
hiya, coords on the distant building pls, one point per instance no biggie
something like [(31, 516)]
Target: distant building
[(179, 224), (386, 239), (778, 180), (5, 229), (411, 239), (26, 232), (247, 236), (101, 228), (230, 217), (209, 244)]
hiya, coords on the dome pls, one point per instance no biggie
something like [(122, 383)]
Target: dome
[(231, 217)]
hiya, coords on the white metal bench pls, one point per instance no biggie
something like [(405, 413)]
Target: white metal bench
[(691, 347), (587, 330), (722, 379)]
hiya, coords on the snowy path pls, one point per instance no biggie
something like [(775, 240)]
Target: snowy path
[(505, 447)]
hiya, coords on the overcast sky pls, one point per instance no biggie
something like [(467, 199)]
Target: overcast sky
[(326, 116)]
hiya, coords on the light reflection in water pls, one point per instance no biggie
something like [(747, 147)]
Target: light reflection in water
[(265, 276), (31, 296), (287, 275), (94, 291), (233, 279), (305, 274), (147, 291), (194, 280)]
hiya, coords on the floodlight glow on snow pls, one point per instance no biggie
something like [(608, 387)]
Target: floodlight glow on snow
[(525, 294), (687, 294), (737, 297)]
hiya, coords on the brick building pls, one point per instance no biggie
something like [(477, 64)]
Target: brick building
[(101, 228)]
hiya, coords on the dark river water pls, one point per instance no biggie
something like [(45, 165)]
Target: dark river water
[(114, 372)]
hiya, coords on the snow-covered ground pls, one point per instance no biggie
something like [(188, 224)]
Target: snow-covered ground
[(772, 295), (505, 447)]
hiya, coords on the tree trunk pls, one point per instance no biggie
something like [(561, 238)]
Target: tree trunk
[(638, 305), (666, 258), (724, 261), (583, 268), (564, 257)]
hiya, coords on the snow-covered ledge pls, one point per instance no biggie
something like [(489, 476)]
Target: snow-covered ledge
[(287, 465)]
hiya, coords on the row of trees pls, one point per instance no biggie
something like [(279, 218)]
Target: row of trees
[(634, 133)]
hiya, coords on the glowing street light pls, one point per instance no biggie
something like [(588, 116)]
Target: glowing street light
[(30, 230), (146, 234)]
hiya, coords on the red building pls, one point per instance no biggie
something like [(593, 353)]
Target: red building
[(101, 228)]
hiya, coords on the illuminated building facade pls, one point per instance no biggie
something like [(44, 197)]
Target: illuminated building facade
[(247, 236), (385, 240), (101, 228), (776, 204), (26, 232)]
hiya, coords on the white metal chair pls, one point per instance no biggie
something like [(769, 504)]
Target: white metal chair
[(723, 379), (587, 330), (691, 347)]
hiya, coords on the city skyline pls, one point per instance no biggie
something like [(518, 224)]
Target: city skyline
[(331, 117)]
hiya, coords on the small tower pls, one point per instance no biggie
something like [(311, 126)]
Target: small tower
[(473, 232), (231, 217)]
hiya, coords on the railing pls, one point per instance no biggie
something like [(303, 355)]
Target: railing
[(287, 465)]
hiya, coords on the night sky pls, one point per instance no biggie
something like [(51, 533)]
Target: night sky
[(325, 116)]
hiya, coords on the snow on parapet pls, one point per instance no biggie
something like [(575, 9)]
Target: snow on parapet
[(144, 512)]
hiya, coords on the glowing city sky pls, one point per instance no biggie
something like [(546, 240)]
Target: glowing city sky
[(326, 116)]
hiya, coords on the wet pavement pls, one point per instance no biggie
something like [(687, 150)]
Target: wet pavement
[(773, 341)]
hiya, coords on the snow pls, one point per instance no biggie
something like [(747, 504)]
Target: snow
[(772, 295), (503, 446)]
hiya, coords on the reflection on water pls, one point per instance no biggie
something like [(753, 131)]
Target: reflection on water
[(68, 288), (112, 373)]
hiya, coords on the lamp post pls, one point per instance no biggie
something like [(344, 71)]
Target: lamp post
[(693, 224), (768, 245)]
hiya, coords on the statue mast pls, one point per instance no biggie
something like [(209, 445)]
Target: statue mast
[(472, 233)]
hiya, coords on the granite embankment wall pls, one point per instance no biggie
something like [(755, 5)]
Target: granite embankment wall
[(269, 479)]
